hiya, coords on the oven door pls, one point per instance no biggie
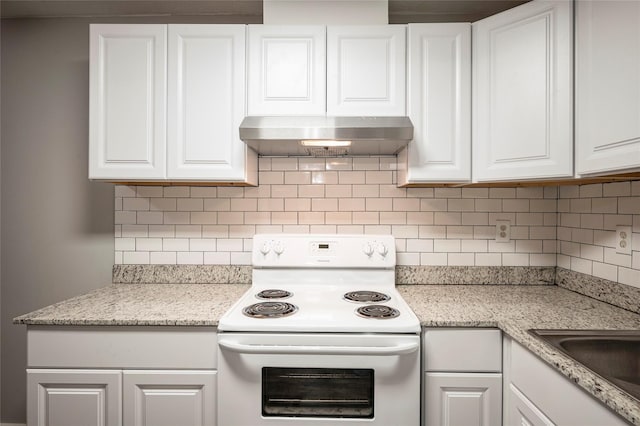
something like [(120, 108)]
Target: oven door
[(318, 379)]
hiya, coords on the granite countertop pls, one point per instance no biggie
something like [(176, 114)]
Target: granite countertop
[(512, 308), (516, 309), (142, 304)]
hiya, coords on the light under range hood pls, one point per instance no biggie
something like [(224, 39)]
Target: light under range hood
[(326, 136)]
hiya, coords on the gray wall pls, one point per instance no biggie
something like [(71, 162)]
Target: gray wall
[(57, 239)]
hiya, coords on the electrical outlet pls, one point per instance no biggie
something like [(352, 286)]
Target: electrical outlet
[(503, 231), (623, 239)]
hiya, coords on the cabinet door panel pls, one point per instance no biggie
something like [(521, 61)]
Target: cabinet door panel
[(169, 398), (127, 101), (206, 102), (74, 397), (463, 399), (607, 86), (366, 70), (522, 101), (286, 70), (523, 412), (439, 104)]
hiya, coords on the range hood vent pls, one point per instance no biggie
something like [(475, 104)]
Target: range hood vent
[(290, 136)]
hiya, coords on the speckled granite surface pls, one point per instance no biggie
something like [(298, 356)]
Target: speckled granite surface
[(142, 304), (157, 274), (528, 275), (177, 274), (516, 309), (625, 296)]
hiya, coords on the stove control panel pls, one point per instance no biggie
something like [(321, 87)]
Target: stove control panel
[(323, 251)]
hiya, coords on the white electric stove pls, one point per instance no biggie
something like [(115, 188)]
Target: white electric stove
[(322, 336)]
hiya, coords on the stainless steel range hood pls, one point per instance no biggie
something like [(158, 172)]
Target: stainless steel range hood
[(326, 136)]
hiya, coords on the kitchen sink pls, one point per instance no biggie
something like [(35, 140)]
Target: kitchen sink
[(612, 354)]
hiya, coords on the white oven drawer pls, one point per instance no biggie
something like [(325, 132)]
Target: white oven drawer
[(463, 350)]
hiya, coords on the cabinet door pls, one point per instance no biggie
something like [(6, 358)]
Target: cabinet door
[(169, 398), (439, 104), (127, 101), (607, 86), (523, 412), (207, 103), (366, 70), (74, 397), (522, 93), (463, 399), (286, 71)]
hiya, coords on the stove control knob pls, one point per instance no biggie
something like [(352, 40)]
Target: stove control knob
[(265, 249), (382, 250), (367, 249), (278, 248)]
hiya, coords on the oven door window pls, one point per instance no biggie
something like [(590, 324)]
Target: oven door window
[(317, 392)]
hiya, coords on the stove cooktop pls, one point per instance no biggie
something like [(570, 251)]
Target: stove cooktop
[(321, 284)]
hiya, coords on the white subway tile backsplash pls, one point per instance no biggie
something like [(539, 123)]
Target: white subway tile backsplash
[(125, 217), (627, 205), (149, 218), (629, 276), (433, 259), (177, 191), (515, 259), (162, 231), (204, 191), (163, 204), (488, 259), (568, 226), (581, 265), (190, 258), (163, 258), (606, 271), (591, 191), (148, 244), (135, 258), (617, 189), (149, 191)]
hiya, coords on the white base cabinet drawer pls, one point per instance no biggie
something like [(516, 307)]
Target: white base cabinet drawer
[(471, 350), (463, 399)]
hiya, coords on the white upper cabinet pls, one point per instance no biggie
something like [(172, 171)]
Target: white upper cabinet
[(127, 97), (168, 110), (206, 103), (335, 71), (438, 103), (522, 93), (286, 70), (607, 86), (366, 70)]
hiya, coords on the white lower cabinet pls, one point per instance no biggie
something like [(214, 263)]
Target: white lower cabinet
[(113, 376), (523, 412), (67, 397), (463, 377), (464, 399), (169, 398), (536, 394)]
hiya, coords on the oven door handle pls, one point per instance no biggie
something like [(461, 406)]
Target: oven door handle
[(399, 349)]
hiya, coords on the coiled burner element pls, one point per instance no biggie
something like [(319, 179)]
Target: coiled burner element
[(377, 312), (366, 296), (269, 310), (274, 294)]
